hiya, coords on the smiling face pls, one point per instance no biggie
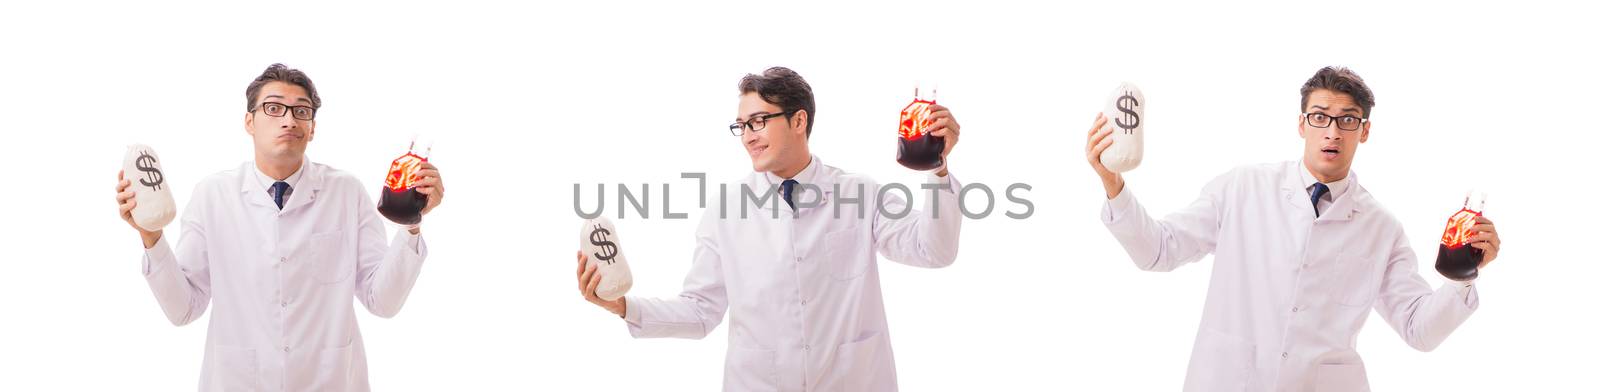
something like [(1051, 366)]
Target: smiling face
[(780, 147), (1330, 151), (280, 138)]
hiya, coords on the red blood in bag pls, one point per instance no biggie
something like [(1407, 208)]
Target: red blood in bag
[(399, 201), (919, 150), (1457, 260)]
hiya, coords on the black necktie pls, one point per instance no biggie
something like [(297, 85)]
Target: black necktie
[(1317, 190), (278, 189), (788, 192)]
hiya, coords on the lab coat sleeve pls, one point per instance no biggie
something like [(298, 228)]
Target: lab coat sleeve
[(181, 281), (387, 271), (927, 237), (1422, 316), (1180, 238), (696, 311)]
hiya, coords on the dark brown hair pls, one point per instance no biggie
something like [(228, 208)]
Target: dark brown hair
[(281, 73), (1342, 80), (785, 88)]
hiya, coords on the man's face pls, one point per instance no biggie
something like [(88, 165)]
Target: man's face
[(777, 144), (1330, 151), (280, 136)]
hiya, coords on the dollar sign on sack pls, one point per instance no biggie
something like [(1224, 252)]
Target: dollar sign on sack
[(1129, 119), (608, 249), (152, 175)]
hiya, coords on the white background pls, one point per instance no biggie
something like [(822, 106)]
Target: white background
[(526, 101)]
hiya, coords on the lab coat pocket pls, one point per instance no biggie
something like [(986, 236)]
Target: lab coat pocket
[(329, 258), (1222, 359), (331, 373), (1359, 271), (237, 369), (844, 254), (1340, 377), (750, 370), (854, 365), (335, 362)]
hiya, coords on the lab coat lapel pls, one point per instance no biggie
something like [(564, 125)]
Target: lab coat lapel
[(1290, 189), (310, 183), (1343, 208), (252, 192), (1347, 205), (814, 175)]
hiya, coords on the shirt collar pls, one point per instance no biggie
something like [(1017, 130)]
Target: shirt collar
[(806, 176), (1335, 189), (267, 181)]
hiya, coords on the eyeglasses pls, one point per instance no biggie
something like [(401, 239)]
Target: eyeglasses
[(1346, 123), (304, 113), (756, 123)]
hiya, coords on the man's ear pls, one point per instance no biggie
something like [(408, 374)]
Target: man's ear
[(249, 123), (800, 121), (1366, 128), (1300, 124), (311, 130)]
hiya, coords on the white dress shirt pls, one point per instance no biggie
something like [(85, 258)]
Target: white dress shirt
[(1289, 290), (267, 181), (806, 310), (1335, 188), (282, 280)]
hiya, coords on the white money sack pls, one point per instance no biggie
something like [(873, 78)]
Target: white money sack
[(598, 240), (1125, 115), (153, 207)]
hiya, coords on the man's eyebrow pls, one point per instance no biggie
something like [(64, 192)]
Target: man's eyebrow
[(1347, 110), (297, 99), (1319, 107), (757, 113)]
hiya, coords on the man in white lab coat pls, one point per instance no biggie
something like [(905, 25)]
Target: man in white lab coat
[(1302, 254), (281, 244), (799, 276)]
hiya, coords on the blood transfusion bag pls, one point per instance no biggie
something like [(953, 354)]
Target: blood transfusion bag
[(1457, 259), (919, 150), (399, 201), (153, 207), (598, 240), (1125, 113)]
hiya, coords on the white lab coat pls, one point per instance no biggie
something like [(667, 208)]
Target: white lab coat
[(282, 280), (1289, 290), (806, 308)]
